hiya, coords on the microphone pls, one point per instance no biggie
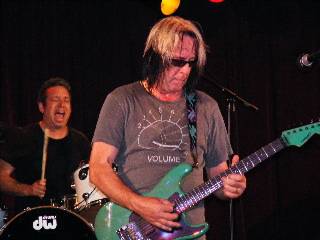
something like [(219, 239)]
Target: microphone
[(308, 59)]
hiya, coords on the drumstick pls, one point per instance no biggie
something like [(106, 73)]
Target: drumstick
[(44, 153)]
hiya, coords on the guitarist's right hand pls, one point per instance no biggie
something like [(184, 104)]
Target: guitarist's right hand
[(157, 211)]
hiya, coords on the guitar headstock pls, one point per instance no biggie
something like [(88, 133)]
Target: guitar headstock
[(298, 136)]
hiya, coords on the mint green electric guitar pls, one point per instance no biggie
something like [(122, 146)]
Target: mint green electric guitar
[(114, 222)]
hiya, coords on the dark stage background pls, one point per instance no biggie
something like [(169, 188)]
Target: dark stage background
[(254, 45)]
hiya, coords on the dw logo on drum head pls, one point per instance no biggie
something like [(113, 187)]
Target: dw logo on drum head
[(46, 222)]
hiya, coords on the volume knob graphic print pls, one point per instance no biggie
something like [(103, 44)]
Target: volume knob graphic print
[(160, 132)]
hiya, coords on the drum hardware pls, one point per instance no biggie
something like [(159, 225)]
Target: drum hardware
[(85, 190), (3, 215), (67, 201), (83, 173), (85, 196), (27, 209), (79, 206), (55, 203)]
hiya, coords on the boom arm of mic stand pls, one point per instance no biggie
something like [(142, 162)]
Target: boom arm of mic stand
[(231, 93)]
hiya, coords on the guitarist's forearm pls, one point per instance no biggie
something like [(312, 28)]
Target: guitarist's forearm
[(115, 190), (103, 176)]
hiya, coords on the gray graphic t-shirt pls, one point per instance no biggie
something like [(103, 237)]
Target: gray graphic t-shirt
[(152, 137)]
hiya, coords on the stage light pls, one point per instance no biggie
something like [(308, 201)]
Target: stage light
[(216, 1), (169, 6)]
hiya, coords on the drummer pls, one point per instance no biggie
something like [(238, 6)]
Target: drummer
[(38, 161)]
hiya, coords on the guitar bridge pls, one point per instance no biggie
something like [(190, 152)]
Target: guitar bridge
[(131, 231)]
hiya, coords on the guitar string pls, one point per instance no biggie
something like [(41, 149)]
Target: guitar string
[(190, 199), (197, 194)]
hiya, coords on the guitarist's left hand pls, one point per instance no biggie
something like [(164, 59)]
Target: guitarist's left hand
[(233, 185)]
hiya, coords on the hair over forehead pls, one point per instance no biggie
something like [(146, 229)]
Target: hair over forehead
[(52, 82), (168, 33)]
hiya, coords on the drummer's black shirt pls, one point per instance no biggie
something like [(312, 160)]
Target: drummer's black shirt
[(64, 156)]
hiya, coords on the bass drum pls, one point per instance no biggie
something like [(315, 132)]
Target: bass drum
[(47, 223)]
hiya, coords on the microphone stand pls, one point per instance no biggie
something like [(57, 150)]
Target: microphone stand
[(230, 94), (232, 98)]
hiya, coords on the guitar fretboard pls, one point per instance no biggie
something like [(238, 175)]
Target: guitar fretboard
[(202, 191)]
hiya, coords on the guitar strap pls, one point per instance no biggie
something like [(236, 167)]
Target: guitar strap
[(191, 100)]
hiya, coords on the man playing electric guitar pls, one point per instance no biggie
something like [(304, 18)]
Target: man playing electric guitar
[(148, 127)]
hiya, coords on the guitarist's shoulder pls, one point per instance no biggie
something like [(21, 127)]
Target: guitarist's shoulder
[(125, 90), (126, 93), (205, 99)]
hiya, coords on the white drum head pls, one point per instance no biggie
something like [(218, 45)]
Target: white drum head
[(87, 193)]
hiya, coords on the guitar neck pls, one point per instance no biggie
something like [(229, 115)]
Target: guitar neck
[(193, 197)]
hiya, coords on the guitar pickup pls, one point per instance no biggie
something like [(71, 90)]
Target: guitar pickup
[(131, 231)]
